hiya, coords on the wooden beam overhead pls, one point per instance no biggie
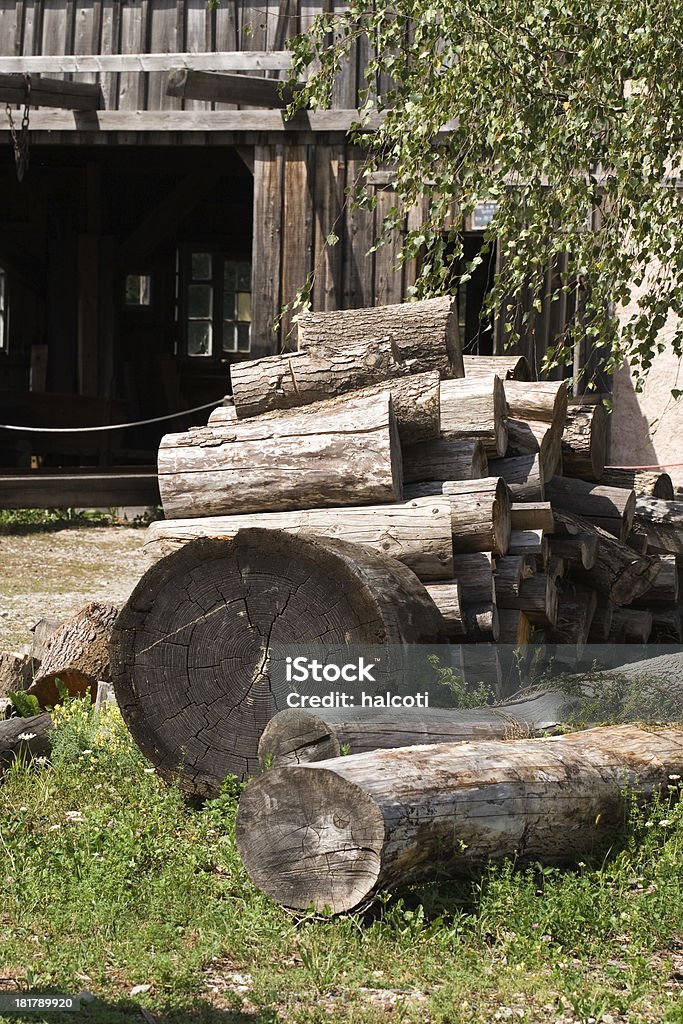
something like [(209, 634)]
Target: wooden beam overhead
[(222, 61), (219, 88), (197, 121), (49, 92)]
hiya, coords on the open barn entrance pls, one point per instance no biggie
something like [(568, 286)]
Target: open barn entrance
[(125, 292)]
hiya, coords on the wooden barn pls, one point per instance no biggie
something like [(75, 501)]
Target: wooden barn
[(167, 213)]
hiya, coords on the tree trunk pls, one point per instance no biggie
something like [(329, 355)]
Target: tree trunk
[(662, 522), (444, 460), (505, 367), (195, 647), (424, 334), (608, 507), (541, 401), (630, 626), (25, 738), (474, 573), (475, 410), (644, 483), (297, 736), (665, 589), (480, 512), (523, 475), (584, 443), (77, 654), (447, 598), (576, 607), (532, 515), (414, 399), (325, 456), (417, 533), (337, 832)]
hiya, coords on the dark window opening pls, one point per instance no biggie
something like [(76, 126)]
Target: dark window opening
[(213, 293)]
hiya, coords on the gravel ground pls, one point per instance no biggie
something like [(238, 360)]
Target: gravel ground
[(53, 574)]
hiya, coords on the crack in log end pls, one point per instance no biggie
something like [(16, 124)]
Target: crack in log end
[(318, 848)]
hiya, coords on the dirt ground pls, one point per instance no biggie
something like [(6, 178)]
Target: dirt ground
[(53, 574)]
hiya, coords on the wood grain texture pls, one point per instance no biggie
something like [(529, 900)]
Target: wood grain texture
[(77, 654), (644, 483), (337, 832), (441, 459), (475, 410), (612, 508), (312, 457), (505, 367), (523, 474), (584, 443), (190, 650), (417, 533), (480, 512), (662, 523)]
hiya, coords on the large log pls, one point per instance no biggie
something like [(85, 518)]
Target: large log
[(326, 456), (584, 443), (529, 543), (480, 512), (618, 573), (191, 649), (608, 507), (480, 621), (25, 738), (299, 736), (335, 833), (510, 572), (523, 474), (540, 401), (665, 589), (421, 332), (643, 482), (505, 367), (582, 548), (475, 409), (417, 533), (415, 400), (662, 523), (77, 655), (444, 460)]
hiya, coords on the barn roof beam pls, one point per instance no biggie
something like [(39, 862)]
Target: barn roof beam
[(219, 88), (101, 121), (49, 92), (278, 60)]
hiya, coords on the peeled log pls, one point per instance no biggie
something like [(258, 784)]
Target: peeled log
[(480, 512), (475, 409), (609, 507), (77, 654), (584, 443), (348, 455), (417, 533), (544, 401), (505, 367), (424, 335), (337, 832), (25, 738), (302, 737), (662, 523), (523, 474), (444, 460), (644, 483), (190, 649)]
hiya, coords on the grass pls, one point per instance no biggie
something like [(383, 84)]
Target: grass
[(110, 880), (41, 520)]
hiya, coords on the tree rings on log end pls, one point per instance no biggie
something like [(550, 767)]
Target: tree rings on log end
[(190, 650), (327, 831)]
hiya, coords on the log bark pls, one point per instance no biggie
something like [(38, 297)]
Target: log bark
[(474, 573), (444, 460), (77, 654), (665, 589), (417, 533), (302, 459), (16, 672), (582, 548), (523, 475), (645, 484), (480, 512), (475, 410), (526, 437), (529, 543), (619, 573), (297, 736), (528, 515), (424, 333), (662, 523), (510, 572), (505, 367), (576, 607), (448, 599), (480, 621), (540, 401), (537, 598), (25, 738), (337, 832), (226, 413), (584, 442), (514, 627), (630, 626), (191, 649), (667, 625), (601, 625), (608, 507)]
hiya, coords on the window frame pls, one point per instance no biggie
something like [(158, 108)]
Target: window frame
[(185, 279)]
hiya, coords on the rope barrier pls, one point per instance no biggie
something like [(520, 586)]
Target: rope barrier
[(111, 426)]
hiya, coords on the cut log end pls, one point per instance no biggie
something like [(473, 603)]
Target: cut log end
[(327, 831)]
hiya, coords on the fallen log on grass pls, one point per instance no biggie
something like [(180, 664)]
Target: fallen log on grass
[(300, 736), (25, 738), (335, 833), (191, 649)]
